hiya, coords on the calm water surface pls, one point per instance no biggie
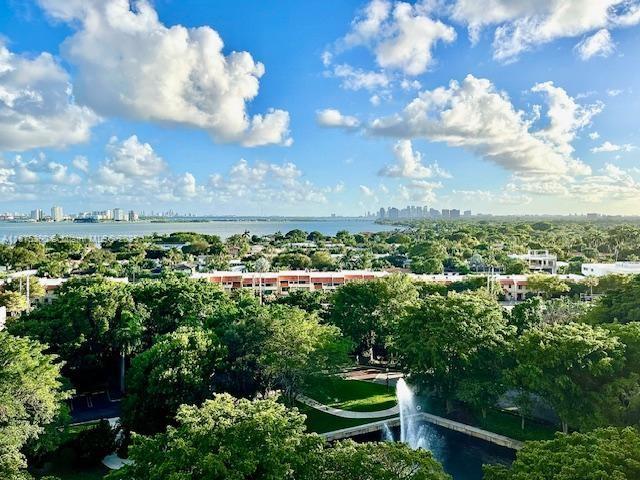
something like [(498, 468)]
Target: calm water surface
[(11, 231), (461, 456)]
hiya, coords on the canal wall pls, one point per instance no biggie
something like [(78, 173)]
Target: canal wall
[(436, 420)]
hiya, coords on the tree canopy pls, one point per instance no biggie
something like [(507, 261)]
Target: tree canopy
[(603, 454)]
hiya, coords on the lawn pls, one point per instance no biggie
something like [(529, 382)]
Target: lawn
[(354, 395), (498, 421), (321, 422)]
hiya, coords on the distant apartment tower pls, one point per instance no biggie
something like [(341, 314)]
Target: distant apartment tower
[(467, 213), (393, 212), (381, 213), (446, 213), (434, 213), (133, 216), (56, 214), (37, 214), (454, 213), (119, 215)]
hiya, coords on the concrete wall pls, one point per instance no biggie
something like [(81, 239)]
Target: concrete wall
[(443, 422)]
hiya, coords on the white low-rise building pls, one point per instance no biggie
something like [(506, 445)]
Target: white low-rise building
[(539, 261), (617, 268)]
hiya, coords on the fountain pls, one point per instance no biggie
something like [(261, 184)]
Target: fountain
[(413, 431)]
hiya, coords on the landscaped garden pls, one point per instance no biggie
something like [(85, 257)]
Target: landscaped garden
[(353, 395)]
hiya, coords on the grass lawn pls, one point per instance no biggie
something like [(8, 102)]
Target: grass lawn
[(354, 395), (321, 422), (509, 425), (499, 421)]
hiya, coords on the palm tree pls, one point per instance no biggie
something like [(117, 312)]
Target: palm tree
[(128, 337)]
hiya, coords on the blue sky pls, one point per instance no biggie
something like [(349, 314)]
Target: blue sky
[(335, 106)]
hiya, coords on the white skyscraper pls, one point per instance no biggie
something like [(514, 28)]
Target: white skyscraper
[(119, 215), (37, 214), (57, 214)]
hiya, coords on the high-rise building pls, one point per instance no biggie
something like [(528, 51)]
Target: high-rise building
[(37, 214), (445, 213), (119, 215), (133, 216), (56, 214), (434, 213), (467, 213), (454, 213), (381, 213)]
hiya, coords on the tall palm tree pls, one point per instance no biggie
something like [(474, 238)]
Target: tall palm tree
[(128, 337)]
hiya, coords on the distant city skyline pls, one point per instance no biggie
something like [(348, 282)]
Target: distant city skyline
[(320, 107)]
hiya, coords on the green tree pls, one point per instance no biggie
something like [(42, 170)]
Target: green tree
[(174, 301), (368, 311), (546, 285), (178, 369), (453, 345), (78, 325), (620, 304), (293, 261), (128, 336), (376, 461), (225, 439), (296, 236), (322, 260), (36, 290), (567, 364), (14, 302), (31, 396), (603, 454), (299, 349)]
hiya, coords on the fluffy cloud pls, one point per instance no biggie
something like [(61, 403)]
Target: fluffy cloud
[(263, 182), (474, 115), (524, 24), (358, 79), (607, 147), (599, 44), (333, 118), (409, 164), (400, 35), (129, 64), (130, 159), (33, 178), (36, 104), (610, 183), (81, 163), (366, 191)]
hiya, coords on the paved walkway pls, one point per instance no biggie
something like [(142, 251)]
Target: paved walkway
[(374, 375), (347, 413)]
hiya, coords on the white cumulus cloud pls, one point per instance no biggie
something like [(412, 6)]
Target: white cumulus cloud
[(401, 36), (333, 118), (522, 25), (599, 44), (37, 108), (474, 115), (409, 164), (607, 147), (130, 64)]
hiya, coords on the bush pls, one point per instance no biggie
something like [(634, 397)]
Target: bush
[(91, 446)]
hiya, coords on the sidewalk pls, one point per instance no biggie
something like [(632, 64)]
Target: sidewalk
[(310, 402)]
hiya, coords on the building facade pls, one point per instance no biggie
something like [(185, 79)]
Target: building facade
[(617, 268)]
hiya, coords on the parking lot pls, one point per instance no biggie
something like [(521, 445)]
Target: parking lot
[(94, 406)]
